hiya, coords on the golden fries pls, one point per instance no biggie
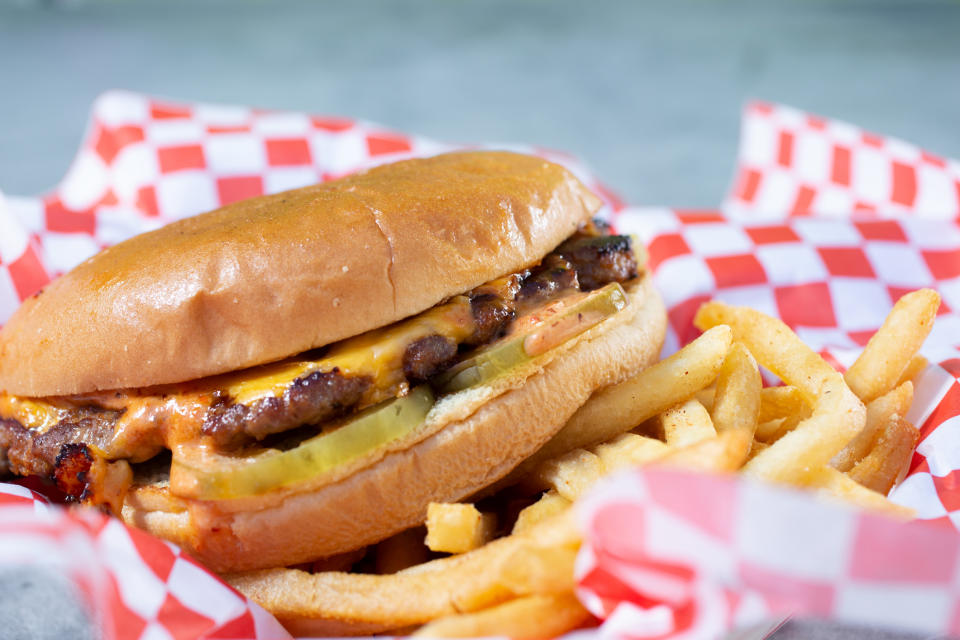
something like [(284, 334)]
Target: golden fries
[(915, 367), (629, 450), (736, 404), (782, 402), (541, 570), (530, 617), (839, 485), (775, 402), (621, 407), (879, 412), (890, 350), (705, 397), (756, 447), (686, 424), (726, 451), (838, 415), (456, 528), (772, 430), (550, 504), (773, 345), (880, 469), (571, 474)]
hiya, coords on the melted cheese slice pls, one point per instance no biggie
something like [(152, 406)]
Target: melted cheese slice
[(38, 415), (177, 411), (377, 355)]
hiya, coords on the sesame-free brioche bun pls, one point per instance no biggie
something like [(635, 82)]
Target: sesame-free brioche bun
[(470, 440), (262, 279)]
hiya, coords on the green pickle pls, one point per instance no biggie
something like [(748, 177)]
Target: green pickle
[(369, 430), (224, 478), (568, 320)]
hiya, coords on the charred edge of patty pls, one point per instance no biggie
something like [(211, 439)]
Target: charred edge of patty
[(427, 356), (553, 275), (313, 398), (491, 317), (70, 470), (600, 260), (29, 452)]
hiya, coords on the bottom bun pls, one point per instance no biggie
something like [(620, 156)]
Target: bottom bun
[(476, 446)]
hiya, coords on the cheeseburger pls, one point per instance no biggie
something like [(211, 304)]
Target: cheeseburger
[(299, 375)]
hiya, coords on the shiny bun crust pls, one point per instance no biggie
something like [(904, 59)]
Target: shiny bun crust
[(472, 450), (269, 277)]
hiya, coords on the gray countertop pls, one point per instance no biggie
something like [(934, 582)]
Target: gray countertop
[(647, 93)]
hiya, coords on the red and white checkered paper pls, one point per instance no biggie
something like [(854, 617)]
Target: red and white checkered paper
[(134, 585), (825, 227)]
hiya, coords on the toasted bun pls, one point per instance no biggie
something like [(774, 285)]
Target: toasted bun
[(482, 438), (265, 278)]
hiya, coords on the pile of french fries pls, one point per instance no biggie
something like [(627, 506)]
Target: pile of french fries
[(704, 408)]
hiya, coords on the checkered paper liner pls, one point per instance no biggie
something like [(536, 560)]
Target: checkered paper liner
[(706, 553), (825, 227), (133, 585)]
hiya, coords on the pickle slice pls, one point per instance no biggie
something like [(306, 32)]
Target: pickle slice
[(209, 476), (534, 335)]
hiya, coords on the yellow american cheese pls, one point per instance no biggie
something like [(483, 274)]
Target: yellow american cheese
[(376, 354), (36, 414)]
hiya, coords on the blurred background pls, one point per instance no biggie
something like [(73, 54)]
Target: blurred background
[(647, 93)]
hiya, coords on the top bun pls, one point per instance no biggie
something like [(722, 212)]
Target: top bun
[(266, 278)]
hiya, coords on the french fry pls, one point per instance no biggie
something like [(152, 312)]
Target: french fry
[(756, 448), (772, 430), (627, 450), (813, 442), (725, 452), (890, 350), (916, 366), (737, 401), (781, 410), (540, 616), (838, 414), (573, 473), (457, 528), (550, 504), (769, 430), (782, 402), (838, 485), (880, 469), (773, 344), (879, 412), (540, 571), (570, 475), (621, 407), (705, 397), (686, 424)]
